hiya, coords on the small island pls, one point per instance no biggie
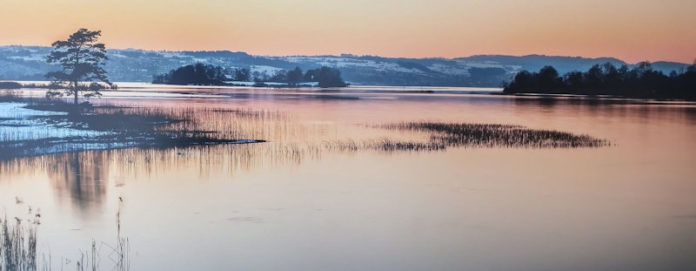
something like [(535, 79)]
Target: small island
[(209, 75), (641, 81)]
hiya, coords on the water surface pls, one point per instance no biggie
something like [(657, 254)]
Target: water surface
[(298, 202)]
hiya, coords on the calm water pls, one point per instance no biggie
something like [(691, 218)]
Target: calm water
[(299, 202)]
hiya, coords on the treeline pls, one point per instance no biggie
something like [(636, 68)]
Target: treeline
[(639, 82), (324, 77), (201, 74), (196, 74)]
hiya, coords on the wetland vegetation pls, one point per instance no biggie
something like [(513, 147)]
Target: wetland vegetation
[(496, 135), (35, 126), (18, 248)]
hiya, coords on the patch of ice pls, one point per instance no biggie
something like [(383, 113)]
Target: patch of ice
[(14, 110), (18, 125)]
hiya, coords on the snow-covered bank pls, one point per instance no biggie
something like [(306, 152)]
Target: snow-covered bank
[(30, 132), (18, 123)]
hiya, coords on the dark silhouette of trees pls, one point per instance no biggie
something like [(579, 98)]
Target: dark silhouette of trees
[(279, 76), (258, 77), (201, 74), (639, 82), (242, 74), (548, 78), (197, 74), (326, 77), (295, 76), (82, 59)]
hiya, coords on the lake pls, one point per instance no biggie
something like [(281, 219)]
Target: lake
[(310, 198)]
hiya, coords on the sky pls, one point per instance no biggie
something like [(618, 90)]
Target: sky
[(631, 30)]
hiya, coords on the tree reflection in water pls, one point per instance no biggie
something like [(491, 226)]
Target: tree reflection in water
[(80, 176), (84, 177)]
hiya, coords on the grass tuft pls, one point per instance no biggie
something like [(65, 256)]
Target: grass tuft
[(490, 135)]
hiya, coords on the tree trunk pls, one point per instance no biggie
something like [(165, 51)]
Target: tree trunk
[(75, 91)]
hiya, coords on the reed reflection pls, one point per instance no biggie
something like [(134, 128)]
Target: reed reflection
[(85, 177)]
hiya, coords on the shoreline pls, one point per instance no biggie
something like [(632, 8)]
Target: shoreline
[(34, 126), (364, 89), (591, 97), (38, 126)]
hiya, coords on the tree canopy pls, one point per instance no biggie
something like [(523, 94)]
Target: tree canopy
[(196, 74), (82, 59), (326, 77), (640, 81), (201, 74)]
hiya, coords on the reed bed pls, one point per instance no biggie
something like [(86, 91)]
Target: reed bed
[(173, 126), (18, 248), (494, 135), (18, 243), (60, 127)]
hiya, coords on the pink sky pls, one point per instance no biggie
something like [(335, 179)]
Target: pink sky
[(630, 30)]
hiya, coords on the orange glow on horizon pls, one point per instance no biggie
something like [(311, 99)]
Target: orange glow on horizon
[(629, 30)]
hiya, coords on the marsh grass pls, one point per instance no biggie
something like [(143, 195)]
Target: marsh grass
[(171, 126), (489, 135), (88, 127), (18, 248), (7, 95), (117, 254), (440, 136), (249, 113), (18, 243)]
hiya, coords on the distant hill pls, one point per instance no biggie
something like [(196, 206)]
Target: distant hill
[(27, 63), (563, 64)]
